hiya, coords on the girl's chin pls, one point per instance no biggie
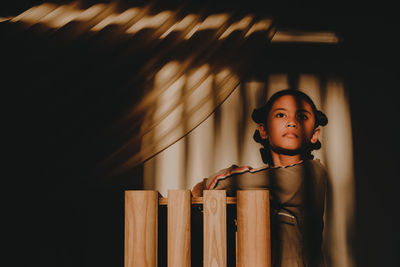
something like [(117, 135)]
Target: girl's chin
[(288, 150)]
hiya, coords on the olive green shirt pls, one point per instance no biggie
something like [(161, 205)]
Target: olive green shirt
[(297, 204)]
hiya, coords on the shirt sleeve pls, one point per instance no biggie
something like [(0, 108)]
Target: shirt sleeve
[(239, 178), (221, 179)]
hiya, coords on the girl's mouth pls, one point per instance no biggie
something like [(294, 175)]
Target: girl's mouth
[(290, 135)]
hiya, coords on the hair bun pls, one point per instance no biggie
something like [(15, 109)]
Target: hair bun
[(322, 119), (259, 114)]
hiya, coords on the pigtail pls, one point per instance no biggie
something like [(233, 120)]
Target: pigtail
[(265, 151), (320, 118)]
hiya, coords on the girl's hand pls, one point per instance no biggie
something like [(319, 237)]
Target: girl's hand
[(197, 190)]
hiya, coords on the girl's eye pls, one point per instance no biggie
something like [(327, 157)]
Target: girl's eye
[(302, 116), (280, 115)]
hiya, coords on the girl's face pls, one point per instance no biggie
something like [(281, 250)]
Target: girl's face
[(290, 125)]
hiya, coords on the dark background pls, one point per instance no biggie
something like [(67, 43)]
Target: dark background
[(58, 106)]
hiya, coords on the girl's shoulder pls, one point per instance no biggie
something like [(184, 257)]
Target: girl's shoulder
[(317, 165)]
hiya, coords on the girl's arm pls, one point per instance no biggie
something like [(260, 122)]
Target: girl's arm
[(219, 180)]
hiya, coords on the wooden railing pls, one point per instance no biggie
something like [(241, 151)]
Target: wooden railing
[(252, 235)]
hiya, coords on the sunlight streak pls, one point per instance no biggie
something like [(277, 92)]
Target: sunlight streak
[(243, 24), (121, 19), (151, 22), (212, 22), (262, 25), (339, 160)]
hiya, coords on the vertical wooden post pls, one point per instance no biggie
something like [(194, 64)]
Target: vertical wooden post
[(214, 205), (141, 208), (179, 204), (253, 231)]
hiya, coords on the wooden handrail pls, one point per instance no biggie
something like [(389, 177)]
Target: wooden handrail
[(196, 200)]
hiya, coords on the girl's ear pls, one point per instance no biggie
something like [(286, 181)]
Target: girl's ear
[(314, 137), (262, 131)]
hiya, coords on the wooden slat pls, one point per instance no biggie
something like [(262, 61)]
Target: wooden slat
[(253, 233), (179, 228), (141, 224), (214, 228)]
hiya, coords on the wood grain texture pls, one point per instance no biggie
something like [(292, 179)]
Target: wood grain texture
[(253, 229), (214, 233), (179, 205), (141, 224)]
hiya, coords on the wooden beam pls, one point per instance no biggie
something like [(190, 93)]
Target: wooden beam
[(253, 232), (214, 233), (141, 224), (179, 205)]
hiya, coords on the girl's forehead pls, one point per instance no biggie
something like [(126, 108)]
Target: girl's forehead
[(291, 102)]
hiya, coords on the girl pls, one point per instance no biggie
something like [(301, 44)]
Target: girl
[(288, 129)]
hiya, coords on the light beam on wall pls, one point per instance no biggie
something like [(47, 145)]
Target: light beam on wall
[(103, 15), (296, 36)]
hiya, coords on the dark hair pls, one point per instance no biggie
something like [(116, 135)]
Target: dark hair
[(260, 115)]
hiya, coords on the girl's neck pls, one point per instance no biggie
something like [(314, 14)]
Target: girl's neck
[(280, 160)]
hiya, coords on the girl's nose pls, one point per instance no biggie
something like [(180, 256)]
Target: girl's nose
[(291, 124)]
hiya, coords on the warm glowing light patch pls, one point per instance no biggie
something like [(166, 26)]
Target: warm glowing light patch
[(120, 19), (196, 149), (183, 105), (277, 82), (169, 124), (168, 100), (181, 25), (227, 147), (310, 84), (254, 97), (57, 16), (91, 12), (166, 73), (305, 36), (212, 22), (34, 14), (126, 16), (5, 19), (169, 172), (262, 25), (223, 74), (150, 22), (105, 22), (60, 16), (199, 84), (198, 75), (194, 29), (339, 156), (237, 26)]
